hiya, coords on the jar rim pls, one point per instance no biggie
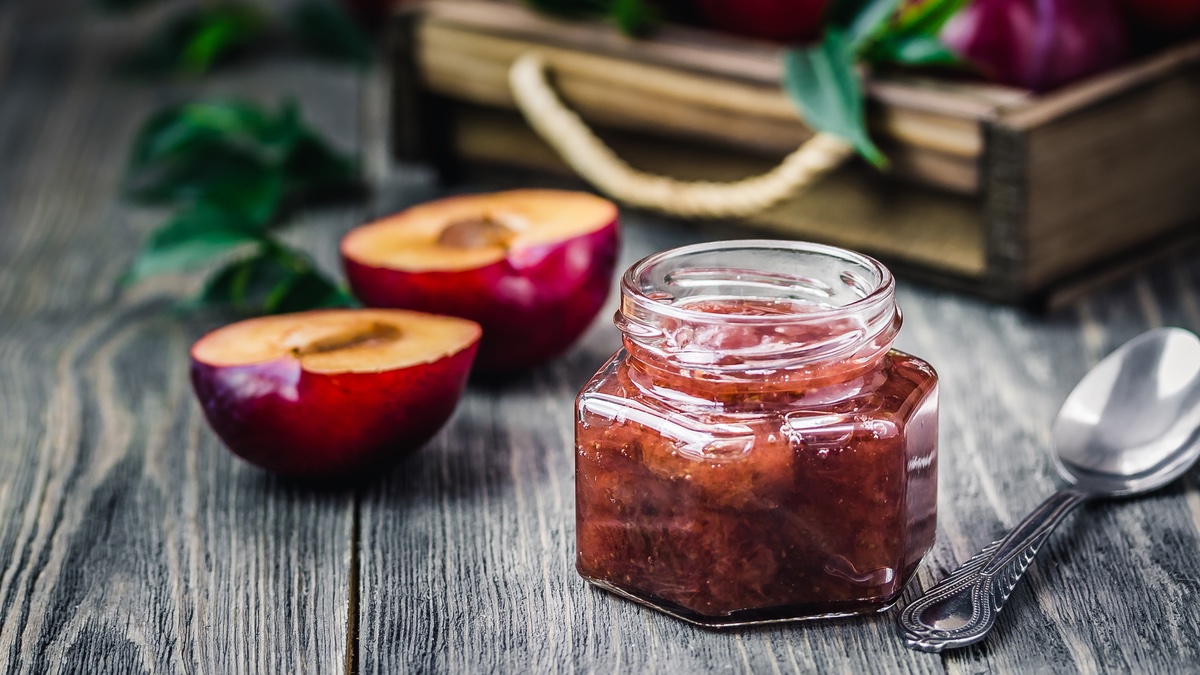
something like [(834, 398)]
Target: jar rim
[(882, 286)]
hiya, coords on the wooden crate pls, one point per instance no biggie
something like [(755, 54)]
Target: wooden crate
[(1017, 197)]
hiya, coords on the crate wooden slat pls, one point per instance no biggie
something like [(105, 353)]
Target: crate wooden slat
[(463, 57), (992, 189), (917, 226)]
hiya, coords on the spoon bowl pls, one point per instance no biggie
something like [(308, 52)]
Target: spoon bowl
[(1130, 426)]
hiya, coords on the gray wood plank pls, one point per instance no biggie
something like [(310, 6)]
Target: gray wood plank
[(130, 540), (1110, 593), (467, 549)]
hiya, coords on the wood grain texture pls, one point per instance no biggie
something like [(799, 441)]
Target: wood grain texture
[(620, 92), (1092, 601), (467, 550), (1152, 134), (852, 207), (130, 541), (712, 53), (1066, 182)]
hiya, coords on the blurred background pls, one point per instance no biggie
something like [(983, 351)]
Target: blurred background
[(1029, 168), (1017, 150)]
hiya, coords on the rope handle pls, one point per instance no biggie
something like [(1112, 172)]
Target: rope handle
[(599, 165)]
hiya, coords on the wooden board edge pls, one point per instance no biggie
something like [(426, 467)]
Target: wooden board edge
[(1120, 81), (904, 269), (709, 52), (470, 67), (1111, 176), (1005, 180), (422, 123), (405, 90), (1066, 291)]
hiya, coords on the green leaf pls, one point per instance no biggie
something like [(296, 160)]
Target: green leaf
[(235, 154), (275, 279), (634, 17), (220, 33), (258, 196), (314, 168), (823, 82), (190, 239), (326, 30), (218, 176), (189, 130), (242, 284), (860, 21), (256, 192), (915, 50), (927, 17), (308, 290), (200, 38), (236, 168)]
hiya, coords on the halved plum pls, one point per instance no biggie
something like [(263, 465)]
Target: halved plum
[(332, 391), (533, 267)]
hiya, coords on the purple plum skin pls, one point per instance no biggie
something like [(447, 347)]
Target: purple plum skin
[(285, 419), (533, 305)]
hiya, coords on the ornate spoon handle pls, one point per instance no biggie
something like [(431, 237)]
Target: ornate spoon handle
[(962, 608)]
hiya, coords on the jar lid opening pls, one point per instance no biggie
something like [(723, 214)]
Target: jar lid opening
[(786, 280)]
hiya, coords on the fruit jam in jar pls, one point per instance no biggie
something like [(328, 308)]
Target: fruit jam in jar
[(757, 451)]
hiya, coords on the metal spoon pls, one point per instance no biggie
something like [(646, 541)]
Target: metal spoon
[(1130, 426)]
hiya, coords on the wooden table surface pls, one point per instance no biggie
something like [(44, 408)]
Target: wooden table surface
[(131, 541)]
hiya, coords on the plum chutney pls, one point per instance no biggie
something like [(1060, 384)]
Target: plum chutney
[(757, 451)]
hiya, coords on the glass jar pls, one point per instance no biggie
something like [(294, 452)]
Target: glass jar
[(757, 451)]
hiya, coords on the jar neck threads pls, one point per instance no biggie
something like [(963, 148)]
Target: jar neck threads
[(774, 314)]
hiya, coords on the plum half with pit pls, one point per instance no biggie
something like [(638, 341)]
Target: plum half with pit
[(532, 267), (332, 392)]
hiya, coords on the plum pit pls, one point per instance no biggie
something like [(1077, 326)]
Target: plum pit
[(482, 232), (355, 336)]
